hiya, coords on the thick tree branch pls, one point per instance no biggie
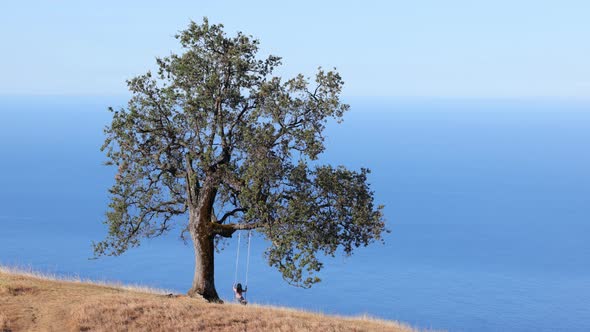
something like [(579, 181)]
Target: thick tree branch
[(228, 230)]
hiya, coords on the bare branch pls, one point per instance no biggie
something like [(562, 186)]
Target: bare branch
[(229, 214)]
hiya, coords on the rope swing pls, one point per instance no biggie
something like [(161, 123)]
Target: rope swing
[(238, 290), (247, 257)]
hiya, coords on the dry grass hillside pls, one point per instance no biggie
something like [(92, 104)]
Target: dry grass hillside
[(33, 302)]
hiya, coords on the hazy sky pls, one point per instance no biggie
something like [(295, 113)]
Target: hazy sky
[(490, 49)]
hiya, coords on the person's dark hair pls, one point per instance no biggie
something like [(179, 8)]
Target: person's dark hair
[(239, 288)]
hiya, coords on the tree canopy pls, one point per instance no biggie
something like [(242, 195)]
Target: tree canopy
[(213, 143)]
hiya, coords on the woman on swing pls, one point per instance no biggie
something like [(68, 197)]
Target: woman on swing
[(237, 287), (238, 293)]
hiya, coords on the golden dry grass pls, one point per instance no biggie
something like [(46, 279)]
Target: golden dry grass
[(29, 272), (35, 302), (3, 322)]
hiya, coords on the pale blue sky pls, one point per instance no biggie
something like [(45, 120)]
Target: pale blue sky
[(452, 48)]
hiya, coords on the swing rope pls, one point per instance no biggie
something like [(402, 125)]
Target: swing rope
[(248, 257), (238, 258)]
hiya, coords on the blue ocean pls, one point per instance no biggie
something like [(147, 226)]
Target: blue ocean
[(487, 201)]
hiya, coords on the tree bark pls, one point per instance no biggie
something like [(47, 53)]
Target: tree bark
[(203, 237), (204, 278)]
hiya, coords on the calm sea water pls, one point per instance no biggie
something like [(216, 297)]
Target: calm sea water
[(488, 204)]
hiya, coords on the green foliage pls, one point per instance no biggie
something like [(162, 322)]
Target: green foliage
[(215, 131)]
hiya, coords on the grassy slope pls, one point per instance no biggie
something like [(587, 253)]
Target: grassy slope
[(32, 302)]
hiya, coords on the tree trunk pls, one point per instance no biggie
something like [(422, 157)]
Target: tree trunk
[(203, 237), (204, 279)]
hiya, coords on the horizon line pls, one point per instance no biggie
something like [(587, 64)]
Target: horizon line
[(576, 99)]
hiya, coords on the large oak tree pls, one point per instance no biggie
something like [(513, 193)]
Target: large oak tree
[(214, 143)]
